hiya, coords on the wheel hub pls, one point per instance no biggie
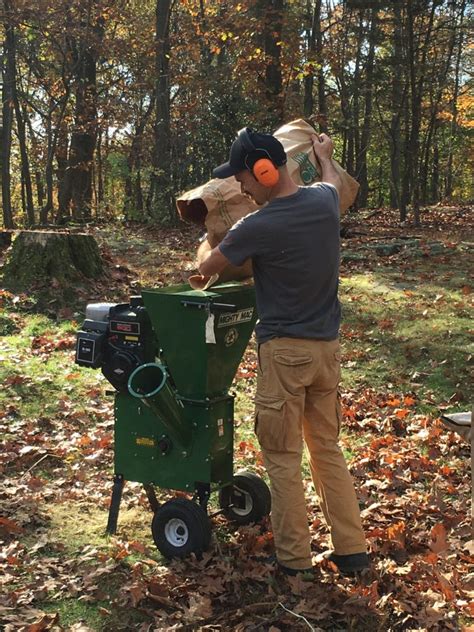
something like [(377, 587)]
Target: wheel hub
[(242, 502), (176, 532)]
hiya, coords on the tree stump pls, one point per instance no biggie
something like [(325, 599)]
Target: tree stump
[(40, 258)]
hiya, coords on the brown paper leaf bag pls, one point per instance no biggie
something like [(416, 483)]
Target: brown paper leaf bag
[(302, 164), (218, 204)]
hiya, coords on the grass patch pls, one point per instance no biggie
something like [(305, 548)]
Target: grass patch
[(72, 611), (8, 325), (417, 337), (97, 615)]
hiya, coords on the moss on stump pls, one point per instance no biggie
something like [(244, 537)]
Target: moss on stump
[(38, 258)]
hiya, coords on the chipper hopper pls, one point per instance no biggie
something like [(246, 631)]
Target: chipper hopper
[(171, 355)]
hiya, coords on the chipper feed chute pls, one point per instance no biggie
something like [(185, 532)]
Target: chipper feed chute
[(172, 356)]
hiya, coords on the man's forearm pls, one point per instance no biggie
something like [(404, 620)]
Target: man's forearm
[(213, 262), (329, 174)]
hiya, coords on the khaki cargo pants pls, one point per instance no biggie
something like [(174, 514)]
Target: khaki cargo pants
[(297, 399)]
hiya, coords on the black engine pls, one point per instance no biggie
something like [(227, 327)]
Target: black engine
[(116, 338)]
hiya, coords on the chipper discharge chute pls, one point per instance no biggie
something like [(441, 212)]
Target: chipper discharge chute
[(171, 355)]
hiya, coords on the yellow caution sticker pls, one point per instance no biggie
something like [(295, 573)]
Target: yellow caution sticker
[(146, 441), (134, 338)]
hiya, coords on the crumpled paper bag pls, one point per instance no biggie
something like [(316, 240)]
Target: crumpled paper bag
[(218, 204)]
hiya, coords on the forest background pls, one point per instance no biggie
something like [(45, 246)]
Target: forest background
[(111, 108)]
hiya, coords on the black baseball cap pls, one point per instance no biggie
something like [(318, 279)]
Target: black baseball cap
[(247, 148)]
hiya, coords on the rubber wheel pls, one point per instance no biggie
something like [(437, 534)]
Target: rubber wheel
[(181, 527), (246, 500)]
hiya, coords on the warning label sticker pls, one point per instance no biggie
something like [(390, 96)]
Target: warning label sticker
[(234, 318)]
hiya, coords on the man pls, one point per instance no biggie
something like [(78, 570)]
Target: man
[(293, 241)]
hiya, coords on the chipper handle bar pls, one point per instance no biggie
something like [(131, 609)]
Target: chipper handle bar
[(212, 307)]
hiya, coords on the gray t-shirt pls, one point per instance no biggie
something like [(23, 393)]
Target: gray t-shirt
[(294, 245)]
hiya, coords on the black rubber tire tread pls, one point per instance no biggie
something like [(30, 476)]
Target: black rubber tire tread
[(196, 520), (256, 488)]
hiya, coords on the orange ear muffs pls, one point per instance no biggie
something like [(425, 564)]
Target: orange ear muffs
[(265, 172)]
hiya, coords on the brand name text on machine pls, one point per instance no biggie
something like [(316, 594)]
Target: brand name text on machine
[(242, 316)]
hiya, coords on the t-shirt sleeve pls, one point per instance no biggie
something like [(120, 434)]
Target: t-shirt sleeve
[(241, 242), (329, 190)]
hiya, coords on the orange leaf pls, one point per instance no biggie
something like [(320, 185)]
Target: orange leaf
[(397, 532), (446, 470), (9, 526), (408, 401), (393, 402), (438, 538), (470, 609), (446, 587), (401, 413), (431, 558)]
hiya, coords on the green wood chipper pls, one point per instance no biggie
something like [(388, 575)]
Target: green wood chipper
[(171, 355)]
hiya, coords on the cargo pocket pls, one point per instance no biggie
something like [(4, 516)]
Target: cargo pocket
[(270, 423), (288, 358)]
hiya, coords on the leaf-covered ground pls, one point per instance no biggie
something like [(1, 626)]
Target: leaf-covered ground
[(406, 360)]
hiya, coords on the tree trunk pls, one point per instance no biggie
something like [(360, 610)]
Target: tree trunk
[(315, 57), (345, 103), (37, 173), (366, 128), (8, 73), (398, 95), (322, 102), (406, 176), (47, 209), (273, 79), (25, 164), (78, 181), (27, 192), (268, 16), (437, 86), (454, 107), (61, 153), (160, 196), (435, 197), (357, 79), (133, 189), (308, 100), (417, 69), (100, 175)]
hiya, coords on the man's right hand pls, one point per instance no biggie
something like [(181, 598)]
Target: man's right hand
[(323, 147)]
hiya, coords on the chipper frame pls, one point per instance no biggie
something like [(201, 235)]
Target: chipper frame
[(171, 355)]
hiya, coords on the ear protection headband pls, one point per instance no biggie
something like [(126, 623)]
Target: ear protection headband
[(263, 169)]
